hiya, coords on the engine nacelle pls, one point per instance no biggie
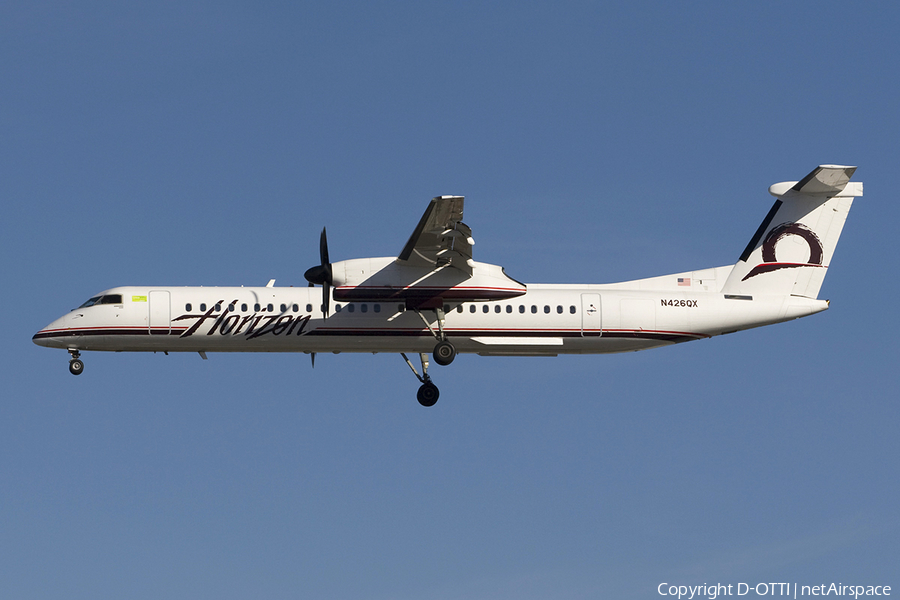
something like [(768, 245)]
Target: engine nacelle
[(383, 279)]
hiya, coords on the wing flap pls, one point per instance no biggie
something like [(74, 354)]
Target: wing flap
[(440, 238)]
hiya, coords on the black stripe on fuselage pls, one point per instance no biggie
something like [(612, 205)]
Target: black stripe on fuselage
[(93, 332), (324, 332)]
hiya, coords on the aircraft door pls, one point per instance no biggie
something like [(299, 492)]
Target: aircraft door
[(159, 321), (590, 315)]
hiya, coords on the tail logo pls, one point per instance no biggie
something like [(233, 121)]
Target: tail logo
[(770, 262)]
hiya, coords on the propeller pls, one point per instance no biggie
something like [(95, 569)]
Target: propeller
[(321, 273)]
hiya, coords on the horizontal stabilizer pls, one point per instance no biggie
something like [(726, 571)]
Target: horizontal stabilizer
[(825, 180)]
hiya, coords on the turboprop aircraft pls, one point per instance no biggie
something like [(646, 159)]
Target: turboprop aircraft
[(434, 298)]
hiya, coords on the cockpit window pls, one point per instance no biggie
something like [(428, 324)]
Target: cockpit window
[(108, 299), (91, 302)]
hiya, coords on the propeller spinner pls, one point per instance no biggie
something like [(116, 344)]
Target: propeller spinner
[(321, 273)]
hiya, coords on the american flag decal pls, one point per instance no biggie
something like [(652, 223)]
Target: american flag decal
[(684, 281)]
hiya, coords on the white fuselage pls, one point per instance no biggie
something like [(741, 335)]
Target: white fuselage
[(547, 320)]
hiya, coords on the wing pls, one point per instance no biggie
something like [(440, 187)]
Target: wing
[(441, 238)]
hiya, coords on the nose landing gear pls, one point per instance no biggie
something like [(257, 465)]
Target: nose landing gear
[(76, 367)]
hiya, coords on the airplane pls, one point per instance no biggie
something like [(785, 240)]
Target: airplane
[(434, 298)]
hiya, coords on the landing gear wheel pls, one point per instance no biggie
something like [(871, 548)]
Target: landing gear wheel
[(76, 366), (428, 394), (444, 353)]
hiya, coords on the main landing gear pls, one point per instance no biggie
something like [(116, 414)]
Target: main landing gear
[(428, 393), (444, 352), (76, 367)]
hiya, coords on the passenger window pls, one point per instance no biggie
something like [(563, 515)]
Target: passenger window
[(187, 307), (364, 308), (351, 307), (521, 308), (284, 308), (296, 308), (459, 308), (472, 308), (509, 308), (309, 308), (203, 307), (559, 309), (270, 308), (231, 307), (497, 308), (244, 307), (256, 307), (485, 308), (377, 308), (337, 308), (572, 309), (219, 307), (533, 309)]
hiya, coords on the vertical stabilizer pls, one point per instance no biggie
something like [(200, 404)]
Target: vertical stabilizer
[(791, 250)]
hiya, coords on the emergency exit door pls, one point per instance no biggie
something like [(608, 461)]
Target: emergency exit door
[(159, 321), (590, 315)]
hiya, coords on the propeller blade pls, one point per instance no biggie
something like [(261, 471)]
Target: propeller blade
[(323, 248), (321, 274)]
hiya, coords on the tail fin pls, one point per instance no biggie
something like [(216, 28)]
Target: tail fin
[(791, 250)]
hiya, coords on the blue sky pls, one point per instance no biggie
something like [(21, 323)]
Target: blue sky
[(208, 143)]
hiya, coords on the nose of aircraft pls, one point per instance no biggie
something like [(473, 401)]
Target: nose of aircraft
[(53, 335)]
